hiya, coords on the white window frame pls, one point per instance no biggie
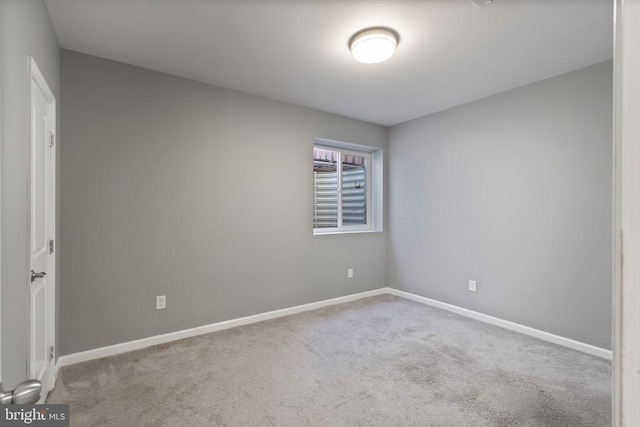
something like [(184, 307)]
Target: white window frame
[(373, 174)]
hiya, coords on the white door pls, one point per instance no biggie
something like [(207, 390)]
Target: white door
[(42, 231)]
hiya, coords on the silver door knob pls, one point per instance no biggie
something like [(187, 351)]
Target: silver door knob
[(35, 275), (5, 397), (26, 393)]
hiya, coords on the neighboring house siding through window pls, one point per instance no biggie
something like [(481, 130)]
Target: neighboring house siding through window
[(341, 194)]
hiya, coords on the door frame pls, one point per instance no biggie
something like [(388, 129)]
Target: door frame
[(36, 75), (626, 280), (1, 389)]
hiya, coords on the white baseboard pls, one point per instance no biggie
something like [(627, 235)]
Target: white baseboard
[(536, 333), (111, 350)]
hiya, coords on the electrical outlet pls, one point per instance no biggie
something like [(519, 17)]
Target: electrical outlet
[(472, 285), (161, 302), (350, 273)]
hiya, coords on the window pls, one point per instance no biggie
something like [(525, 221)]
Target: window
[(343, 188)]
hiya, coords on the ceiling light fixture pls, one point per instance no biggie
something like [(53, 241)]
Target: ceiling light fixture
[(373, 45)]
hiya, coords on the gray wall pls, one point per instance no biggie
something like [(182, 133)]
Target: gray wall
[(26, 30), (513, 191), (197, 192)]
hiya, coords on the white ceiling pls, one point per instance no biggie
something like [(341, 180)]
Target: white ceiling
[(450, 51)]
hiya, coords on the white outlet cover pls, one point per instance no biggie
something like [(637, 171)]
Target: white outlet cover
[(350, 273), (472, 286), (161, 302)]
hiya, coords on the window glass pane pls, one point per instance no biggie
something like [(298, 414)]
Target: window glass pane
[(354, 190), (325, 188)]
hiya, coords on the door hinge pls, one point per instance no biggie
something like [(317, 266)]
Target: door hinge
[(52, 352), (52, 139), (51, 246)]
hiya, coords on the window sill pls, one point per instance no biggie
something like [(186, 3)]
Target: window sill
[(322, 233)]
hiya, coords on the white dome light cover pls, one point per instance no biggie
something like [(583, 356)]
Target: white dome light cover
[(373, 45)]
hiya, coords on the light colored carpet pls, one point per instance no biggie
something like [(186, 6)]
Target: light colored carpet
[(381, 361)]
